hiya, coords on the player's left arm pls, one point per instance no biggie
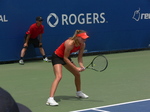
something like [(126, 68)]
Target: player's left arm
[(40, 35), (40, 39), (80, 55)]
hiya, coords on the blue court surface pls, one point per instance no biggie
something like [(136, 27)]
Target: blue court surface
[(133, 106)]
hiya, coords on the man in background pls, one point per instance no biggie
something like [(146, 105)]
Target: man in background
[(34, 36)]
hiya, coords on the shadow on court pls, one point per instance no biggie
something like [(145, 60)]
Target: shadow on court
[(74, 98)]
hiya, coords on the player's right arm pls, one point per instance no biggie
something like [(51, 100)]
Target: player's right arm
[(68, 47), (26, 41)]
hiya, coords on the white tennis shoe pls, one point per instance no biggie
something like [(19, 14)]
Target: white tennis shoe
[(21, 62), (51, 102), (80, 94), (46, 59)]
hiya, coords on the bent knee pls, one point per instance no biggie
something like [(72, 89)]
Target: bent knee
[(77, 74), (58, 78)]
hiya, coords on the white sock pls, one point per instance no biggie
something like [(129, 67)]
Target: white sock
[(79, 92), (51, 98)]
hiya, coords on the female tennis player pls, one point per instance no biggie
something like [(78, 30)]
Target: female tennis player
[(61, 56)]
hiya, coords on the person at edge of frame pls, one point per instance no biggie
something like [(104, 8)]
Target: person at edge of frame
[(61, 56), (34, 36)]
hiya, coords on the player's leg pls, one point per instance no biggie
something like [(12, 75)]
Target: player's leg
[(23, 51), (43, 54), (76, 75), (22, 55), (58, 76), (36, 44), (77, 81)]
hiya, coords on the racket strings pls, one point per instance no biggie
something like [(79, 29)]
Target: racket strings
[(99, 64)]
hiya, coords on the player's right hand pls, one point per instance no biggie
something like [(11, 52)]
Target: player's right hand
[(25, 45), (80, 69)]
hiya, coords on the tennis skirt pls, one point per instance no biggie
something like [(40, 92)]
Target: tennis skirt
[(58, 60)]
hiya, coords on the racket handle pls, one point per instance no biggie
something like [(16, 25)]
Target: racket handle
[(83, 68)]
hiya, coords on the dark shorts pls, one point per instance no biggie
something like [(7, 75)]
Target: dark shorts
[(35, 42), (58, 60)]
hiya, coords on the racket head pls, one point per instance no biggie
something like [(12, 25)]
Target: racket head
[(99, 63)]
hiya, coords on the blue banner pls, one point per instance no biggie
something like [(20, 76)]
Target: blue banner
[(119, 25)]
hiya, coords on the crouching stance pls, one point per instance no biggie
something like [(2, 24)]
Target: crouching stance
[(61, 56), (34, 36)]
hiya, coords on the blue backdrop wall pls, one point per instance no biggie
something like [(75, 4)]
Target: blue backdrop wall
[(119, 25)]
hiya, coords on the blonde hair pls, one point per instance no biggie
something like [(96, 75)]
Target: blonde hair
[(74, 37)]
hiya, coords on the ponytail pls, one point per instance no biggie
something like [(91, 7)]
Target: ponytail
[(75, 35), (76, 32)]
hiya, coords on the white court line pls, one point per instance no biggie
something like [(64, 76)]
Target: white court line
[(98, 110), (112, 105)]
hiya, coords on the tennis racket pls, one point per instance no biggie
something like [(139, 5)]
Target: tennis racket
[(99, 63)]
